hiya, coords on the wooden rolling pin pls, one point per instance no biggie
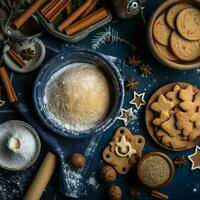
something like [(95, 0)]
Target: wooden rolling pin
[(41, 178)]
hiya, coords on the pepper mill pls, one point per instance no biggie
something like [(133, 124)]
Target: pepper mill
[(126, 8)]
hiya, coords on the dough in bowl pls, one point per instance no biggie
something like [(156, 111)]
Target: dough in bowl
[(78, 97)]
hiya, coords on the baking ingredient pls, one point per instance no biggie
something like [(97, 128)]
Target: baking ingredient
[(12, 97), (77, 161), (134, 192), (27, 13), (114, 193), (158, 195), (86, 22), (108, 174), (155, 170), (18, 145), (132, 84), (77, 13), (179, 161), (78, 97)]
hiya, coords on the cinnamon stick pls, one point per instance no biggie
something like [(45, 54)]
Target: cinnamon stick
[(52, 10), (27, 14), (16, 57), (48, 6), (69, 8), (58, 11), (159, 195), (89, 10), (87, 21), (74, 15), (12, 97)]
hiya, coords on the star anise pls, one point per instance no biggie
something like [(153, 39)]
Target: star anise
[(133, 60), (28, 54), (131, 84), (179, 161), (145, 69), (134, 192)]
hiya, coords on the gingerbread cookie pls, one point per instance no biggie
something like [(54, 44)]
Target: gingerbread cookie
[(161, 30), (123, 150), (183, 122), (173, 95), (195, 117), (183, 49), (162, 104), (188, 23), (191, 106), (166, 52), (175, 115), (164, 115), (173, 12), (174, 143), (169, 127), (186, 94)]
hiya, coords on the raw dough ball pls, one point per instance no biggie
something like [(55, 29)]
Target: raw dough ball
[(80, 97)]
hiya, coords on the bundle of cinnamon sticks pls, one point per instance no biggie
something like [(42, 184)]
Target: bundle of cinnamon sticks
[(53, 9), (83, 17)]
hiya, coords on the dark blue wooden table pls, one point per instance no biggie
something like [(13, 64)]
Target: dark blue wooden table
[(186, 183)]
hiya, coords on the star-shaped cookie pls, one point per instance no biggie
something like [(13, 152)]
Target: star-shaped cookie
[(126, 116), (138, 100), (195, 158)]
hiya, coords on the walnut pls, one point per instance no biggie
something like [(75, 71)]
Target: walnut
[(77, 161), (108, 174), (114, 193)]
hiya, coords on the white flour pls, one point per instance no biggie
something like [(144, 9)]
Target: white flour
[(24, 154)]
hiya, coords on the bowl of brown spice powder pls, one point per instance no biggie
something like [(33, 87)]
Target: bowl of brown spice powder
[(155, 170)]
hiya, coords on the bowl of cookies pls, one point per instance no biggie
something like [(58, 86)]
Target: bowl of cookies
[(172, 116), (173, 34)]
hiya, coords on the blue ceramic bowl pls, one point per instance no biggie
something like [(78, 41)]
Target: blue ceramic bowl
[(60, 61)]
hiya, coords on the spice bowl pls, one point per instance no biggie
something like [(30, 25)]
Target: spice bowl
[(177, 63), (155, 170), (59, 62)]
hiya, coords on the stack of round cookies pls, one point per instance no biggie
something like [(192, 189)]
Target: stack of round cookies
[(176, 33)]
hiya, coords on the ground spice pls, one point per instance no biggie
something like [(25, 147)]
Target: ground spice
[(155, 171)]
